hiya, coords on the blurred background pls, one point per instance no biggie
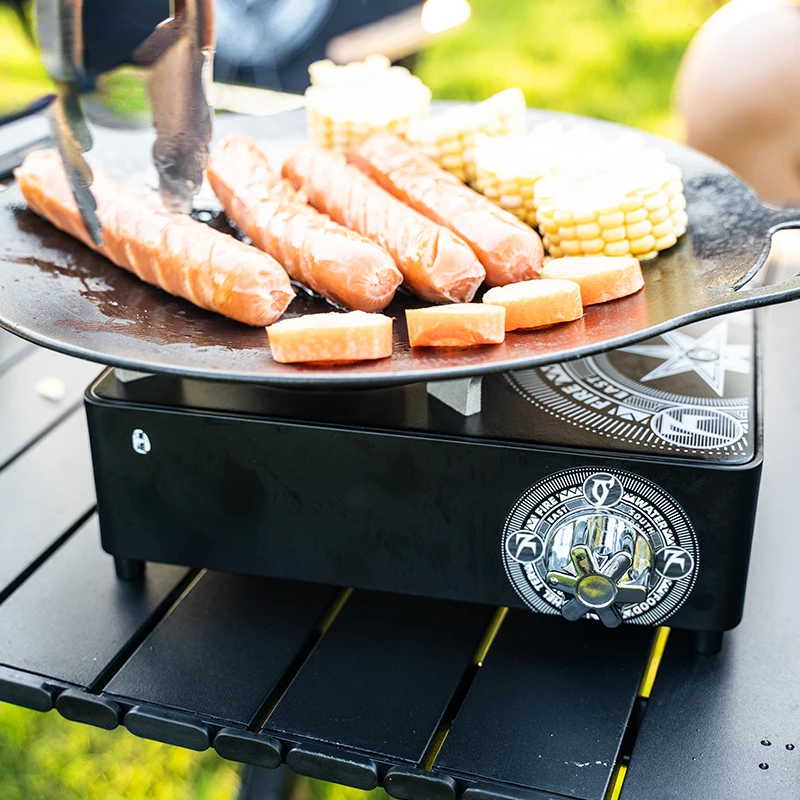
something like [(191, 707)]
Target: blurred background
[(614, 59)]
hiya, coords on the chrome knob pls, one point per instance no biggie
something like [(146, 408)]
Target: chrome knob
[(596, 589)]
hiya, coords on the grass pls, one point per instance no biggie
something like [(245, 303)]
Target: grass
[(22, 76), (44, 756), (614, 59), (611, 59)]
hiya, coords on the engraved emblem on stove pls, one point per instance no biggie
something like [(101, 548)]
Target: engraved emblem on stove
[(524, 547), (696, 427), (677, 392), (602, 489), (141, 442), (674, 562), (606, 545), (709, 356)]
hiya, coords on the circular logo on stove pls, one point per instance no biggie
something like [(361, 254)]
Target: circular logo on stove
[(696, 427), (602, 489), (524, 547), (629, 394), (674, 562), (594, 539)]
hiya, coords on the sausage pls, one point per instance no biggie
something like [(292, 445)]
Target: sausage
[(174, 252), (509, 250), (326, 257), (436, 264)]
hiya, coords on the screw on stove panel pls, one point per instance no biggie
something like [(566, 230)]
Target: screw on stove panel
[(463, 395), (140, 442)]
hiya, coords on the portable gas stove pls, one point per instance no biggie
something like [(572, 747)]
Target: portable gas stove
[(621, 487)]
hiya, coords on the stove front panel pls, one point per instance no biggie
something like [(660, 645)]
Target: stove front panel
[(427, 515)]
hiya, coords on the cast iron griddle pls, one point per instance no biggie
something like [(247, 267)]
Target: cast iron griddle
[(58, 293)]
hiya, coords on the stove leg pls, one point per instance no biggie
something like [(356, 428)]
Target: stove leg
[(707, 643), (129, 569), (259, 783)]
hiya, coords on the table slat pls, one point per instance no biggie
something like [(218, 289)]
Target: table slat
[(221, 651), (33, 518), (383, 674), (25, 414), (549, 706), (72, 617)]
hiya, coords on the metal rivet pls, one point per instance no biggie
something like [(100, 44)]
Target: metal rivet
[(763, 765), (766, 742), (790, 747)]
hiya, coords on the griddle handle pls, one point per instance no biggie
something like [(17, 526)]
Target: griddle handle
[(777, 219)]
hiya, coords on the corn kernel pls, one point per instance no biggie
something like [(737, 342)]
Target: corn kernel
[(631, 204), (621, 248), (636, 216), (583, 217), (674, 188), (614, 234), (562, 216), (509, 201), (677, 203), (639, 229), (450, 162), (588, 231), (664, 242), (613, 220), (662, 229), (571, 247), (656, 201), (590, 246), (679, 218), (659, 215), (643, 244), (547, 225)]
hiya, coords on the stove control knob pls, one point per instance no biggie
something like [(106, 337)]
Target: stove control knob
[(596, 589)]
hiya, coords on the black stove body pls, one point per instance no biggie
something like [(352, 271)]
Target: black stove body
[(621, 488)]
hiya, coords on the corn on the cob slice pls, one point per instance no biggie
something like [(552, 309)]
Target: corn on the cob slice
[(508, 167), (636, 212), (449, 138), (345, 104), (587, 193)]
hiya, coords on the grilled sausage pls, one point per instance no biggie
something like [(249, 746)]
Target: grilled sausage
[(436, 264), (509, 250), (326, 257), (184, 257)]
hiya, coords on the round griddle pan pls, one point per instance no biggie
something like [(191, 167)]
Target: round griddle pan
[(57, 293)]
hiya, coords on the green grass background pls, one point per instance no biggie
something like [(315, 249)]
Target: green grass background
[(614, 59)]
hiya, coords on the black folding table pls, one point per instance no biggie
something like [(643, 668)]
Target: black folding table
[(431, 699)]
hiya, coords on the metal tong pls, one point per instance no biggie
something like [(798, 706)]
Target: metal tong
[(179, 53)]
